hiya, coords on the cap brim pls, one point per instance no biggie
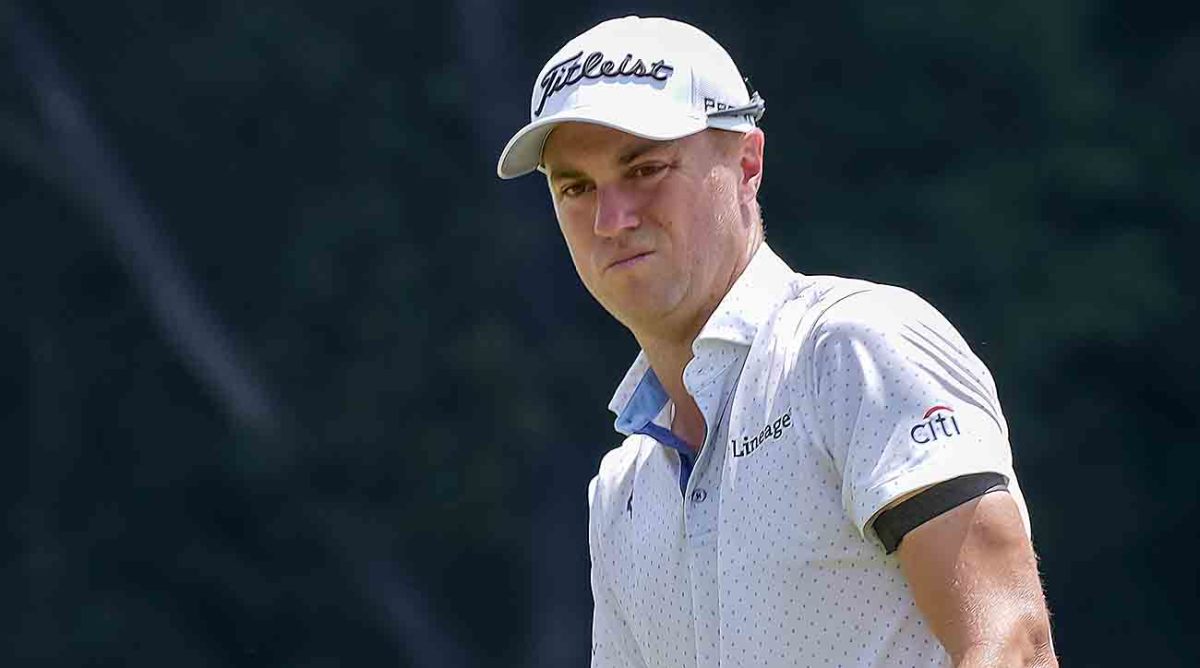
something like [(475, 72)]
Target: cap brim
[(523, 153)]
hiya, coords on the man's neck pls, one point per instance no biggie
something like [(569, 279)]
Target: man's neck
[(669, 359), (669, 352)]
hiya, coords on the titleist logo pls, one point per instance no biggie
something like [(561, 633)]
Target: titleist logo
[(571, 71)]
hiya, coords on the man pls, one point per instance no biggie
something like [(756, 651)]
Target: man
[(816, 470)]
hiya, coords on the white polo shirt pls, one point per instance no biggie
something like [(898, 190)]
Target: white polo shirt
[(825, 399)]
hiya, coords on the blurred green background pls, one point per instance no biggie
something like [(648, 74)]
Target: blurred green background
[(291, 379)]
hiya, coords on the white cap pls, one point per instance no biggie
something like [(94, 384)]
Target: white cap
[(651, 77)]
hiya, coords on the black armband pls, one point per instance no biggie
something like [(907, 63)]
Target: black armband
[(892, 524)]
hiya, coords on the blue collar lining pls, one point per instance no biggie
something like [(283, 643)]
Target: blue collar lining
[(647, 402)]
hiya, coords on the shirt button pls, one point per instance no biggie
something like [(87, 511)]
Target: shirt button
[(699, 495)]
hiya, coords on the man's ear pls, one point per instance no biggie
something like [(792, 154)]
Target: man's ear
[(751, 162)]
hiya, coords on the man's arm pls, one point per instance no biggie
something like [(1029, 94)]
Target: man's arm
[(974, 577)]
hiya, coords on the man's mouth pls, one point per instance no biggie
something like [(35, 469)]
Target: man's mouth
[(629, 260)]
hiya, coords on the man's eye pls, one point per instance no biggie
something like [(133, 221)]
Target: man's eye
[(574, 190), (646, 170)]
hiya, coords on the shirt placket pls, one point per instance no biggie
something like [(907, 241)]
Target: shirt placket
[(702, 502)]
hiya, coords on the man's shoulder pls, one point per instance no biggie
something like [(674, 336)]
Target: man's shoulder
[(832, 309), (835, 302)]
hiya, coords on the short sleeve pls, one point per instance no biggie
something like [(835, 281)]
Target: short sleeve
[(902, 402), (613, 645)]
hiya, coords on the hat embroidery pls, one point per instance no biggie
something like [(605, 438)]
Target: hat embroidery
[(570, 71)]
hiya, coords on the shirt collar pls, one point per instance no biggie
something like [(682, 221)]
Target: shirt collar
[(765, 283)]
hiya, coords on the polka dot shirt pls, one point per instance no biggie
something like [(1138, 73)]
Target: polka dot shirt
[(825, 399)]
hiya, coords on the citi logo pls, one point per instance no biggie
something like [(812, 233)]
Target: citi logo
[(935, 423)]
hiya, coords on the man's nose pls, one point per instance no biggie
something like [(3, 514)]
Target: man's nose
[(616, 211)]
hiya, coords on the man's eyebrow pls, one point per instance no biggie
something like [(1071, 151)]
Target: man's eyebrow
[(559, 174), (632, 153), (641, 149)]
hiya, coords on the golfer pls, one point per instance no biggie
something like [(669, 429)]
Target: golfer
[(816, 470)]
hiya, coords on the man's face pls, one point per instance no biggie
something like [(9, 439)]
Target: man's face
[(654, 228)]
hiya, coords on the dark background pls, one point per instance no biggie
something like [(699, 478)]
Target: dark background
[(291, 379)]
